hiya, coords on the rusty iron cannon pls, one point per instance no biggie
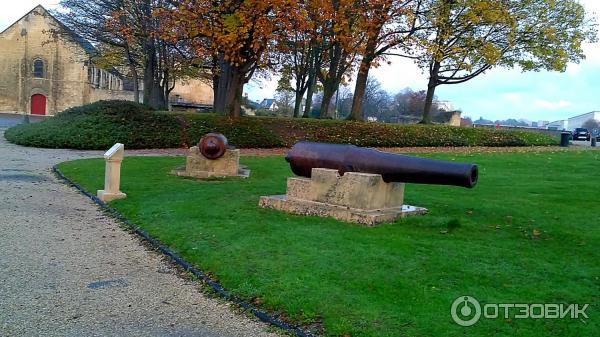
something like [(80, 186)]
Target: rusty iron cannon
[(213, 145), (212, 157), (305, 156)]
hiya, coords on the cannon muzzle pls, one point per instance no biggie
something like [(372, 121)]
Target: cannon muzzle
[(213, 145), (305, 156)]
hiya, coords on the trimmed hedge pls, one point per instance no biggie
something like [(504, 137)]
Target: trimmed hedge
[(101, 124)]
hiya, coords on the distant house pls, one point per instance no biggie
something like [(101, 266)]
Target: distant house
[(268, 104), (466, 122), (558, 125), (542, 124)]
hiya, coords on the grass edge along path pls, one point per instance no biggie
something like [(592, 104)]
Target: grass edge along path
[(175, 258)]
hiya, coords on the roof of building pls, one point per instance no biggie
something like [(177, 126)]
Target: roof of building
[(267, 102), (83, 43), (253, 105), (566, 120), (587, 113)]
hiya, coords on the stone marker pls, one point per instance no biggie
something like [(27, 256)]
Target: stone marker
[(112, 176), (212, 158), (354, 197)]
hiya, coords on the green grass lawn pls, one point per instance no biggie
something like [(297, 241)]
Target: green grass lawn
[(528, 233)]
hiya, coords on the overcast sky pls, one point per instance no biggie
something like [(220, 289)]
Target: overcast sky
[(498, 94)]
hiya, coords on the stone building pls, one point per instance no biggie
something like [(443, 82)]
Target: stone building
[(191, 95), (44, 73)]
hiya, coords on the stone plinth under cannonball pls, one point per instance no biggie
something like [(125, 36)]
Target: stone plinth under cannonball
[(354, 197), (200, 167)]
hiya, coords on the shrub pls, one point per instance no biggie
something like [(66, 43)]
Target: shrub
[(100, 125)]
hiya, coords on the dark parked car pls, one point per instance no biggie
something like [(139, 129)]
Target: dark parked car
[(581, 134)]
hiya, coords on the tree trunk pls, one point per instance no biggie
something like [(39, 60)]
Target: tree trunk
[(215, 77), (359, 91), (327, 96), (153, 92), (328, 91), (333, 78), (362, 77), (312, 81), (136, 84), (134, 74), (228, 96), (309, 97), (433, 83), (298, 103), (301, 86)]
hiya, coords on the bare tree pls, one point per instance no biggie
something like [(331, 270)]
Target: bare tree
[(128, 28), (284, 99), (591, 124)]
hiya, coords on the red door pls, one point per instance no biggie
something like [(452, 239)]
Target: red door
[(38, 104)]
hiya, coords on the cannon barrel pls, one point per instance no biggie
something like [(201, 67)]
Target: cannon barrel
[(305, 156)]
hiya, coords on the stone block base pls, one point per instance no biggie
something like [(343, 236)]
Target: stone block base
[(109, 196), (361, 216), (354, 197), (243, 172), (200, 167)]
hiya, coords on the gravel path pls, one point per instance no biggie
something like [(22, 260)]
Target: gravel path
[(68, 270)]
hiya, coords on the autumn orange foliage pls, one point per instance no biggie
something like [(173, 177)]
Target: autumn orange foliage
[(239, 35)]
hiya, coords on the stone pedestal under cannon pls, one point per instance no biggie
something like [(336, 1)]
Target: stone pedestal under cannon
[(354, 197)]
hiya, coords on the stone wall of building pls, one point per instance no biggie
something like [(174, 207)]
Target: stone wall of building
[(192, 91), (104, 94), (40, 70), (63, 77)]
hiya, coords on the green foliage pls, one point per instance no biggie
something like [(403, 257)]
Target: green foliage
[(469, 37), (516, 237), (265, 113), (100, 125)]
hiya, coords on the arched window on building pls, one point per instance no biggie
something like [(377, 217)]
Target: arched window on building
[(38, 69)]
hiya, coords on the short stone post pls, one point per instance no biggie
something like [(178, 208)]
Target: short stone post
[(112, 175)]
